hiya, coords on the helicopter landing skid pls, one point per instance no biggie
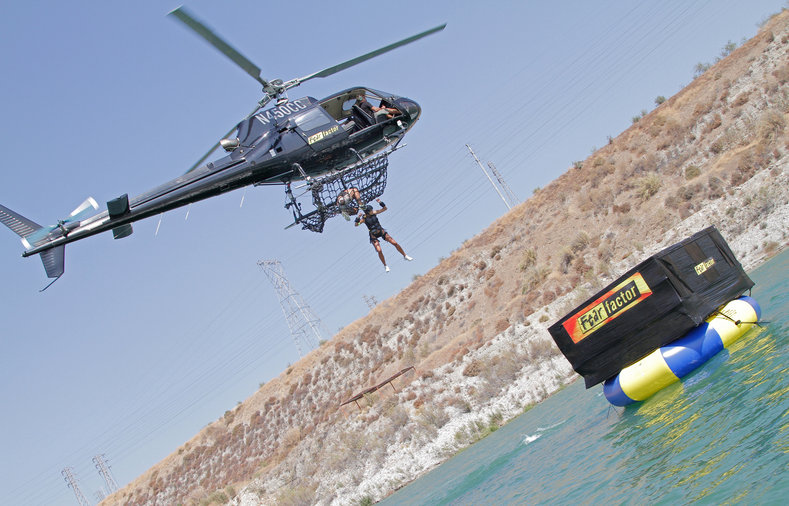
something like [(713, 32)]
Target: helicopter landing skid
[(368, 176)]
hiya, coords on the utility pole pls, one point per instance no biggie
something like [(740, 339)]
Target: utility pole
[(507, 191), (71, 479), (305, 326), (489, 178), (104, 471)]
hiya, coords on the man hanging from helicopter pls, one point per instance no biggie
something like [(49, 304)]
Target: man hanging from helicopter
[(345, 201), (368, 216)]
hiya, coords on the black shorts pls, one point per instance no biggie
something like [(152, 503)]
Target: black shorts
[(375, 234)]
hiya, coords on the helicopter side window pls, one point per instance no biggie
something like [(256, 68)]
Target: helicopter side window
[(312, 119)]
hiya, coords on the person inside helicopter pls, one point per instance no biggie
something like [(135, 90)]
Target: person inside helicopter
[(375, 112)]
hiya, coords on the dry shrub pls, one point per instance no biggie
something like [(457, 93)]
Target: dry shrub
[(565, 259), (369, 334), (431, 418), (751, 160), (581, 267), (459, 403), (547, 297), (529, 258), (692, 171), (541, 348), (702, 108), (291, 437), (648, 186), (534, 276), (712, 125), (716, 188), (782, 74), (580, 243), (771, 126), (501, 371), (297, 496), (473, 369), (741, 99), (647, 163), (502, 325), (624, 208)]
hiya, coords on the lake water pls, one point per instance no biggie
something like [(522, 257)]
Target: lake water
[(720, 436)]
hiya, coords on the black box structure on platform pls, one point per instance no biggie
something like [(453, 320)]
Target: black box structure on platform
[(653, 304)]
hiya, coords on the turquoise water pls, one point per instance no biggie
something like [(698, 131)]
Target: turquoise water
[(720, 436)]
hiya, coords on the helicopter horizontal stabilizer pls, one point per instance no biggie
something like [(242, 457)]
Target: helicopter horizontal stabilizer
[(18, 224)]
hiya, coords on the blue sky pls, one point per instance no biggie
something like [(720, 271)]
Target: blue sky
[(146, 340)]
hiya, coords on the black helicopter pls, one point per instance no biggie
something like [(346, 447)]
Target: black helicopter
[(323, 142)]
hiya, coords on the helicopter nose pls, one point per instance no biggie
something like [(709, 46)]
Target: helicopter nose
[(412, 109)]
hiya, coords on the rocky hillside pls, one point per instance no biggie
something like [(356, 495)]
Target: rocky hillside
[(473, 328)]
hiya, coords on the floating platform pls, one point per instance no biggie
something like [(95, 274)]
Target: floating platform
[(669, 296), (668, 364)]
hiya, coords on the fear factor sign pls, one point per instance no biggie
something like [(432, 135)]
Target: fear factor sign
[(609, 306)]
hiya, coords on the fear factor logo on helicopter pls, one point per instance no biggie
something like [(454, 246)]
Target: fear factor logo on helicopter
[(320, 135)]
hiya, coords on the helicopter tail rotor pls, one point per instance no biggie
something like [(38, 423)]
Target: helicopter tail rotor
[(41, 235)]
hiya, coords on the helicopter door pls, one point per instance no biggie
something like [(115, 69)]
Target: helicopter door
[(318, 128)]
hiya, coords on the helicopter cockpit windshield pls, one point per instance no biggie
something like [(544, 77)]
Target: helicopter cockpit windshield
[(344, 108)]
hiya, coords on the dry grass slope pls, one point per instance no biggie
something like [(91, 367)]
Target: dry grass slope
[(474, 326)]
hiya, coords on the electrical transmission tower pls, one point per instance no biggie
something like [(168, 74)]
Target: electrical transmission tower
[(498, 176), (71, 479), (104, 471), (370, 300), (305, 326)]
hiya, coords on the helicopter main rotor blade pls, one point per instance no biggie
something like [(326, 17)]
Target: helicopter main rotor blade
[(359, 59), (213, 148), (202, 30)]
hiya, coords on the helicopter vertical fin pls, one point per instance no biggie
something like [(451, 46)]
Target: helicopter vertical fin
[(53, 259)]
